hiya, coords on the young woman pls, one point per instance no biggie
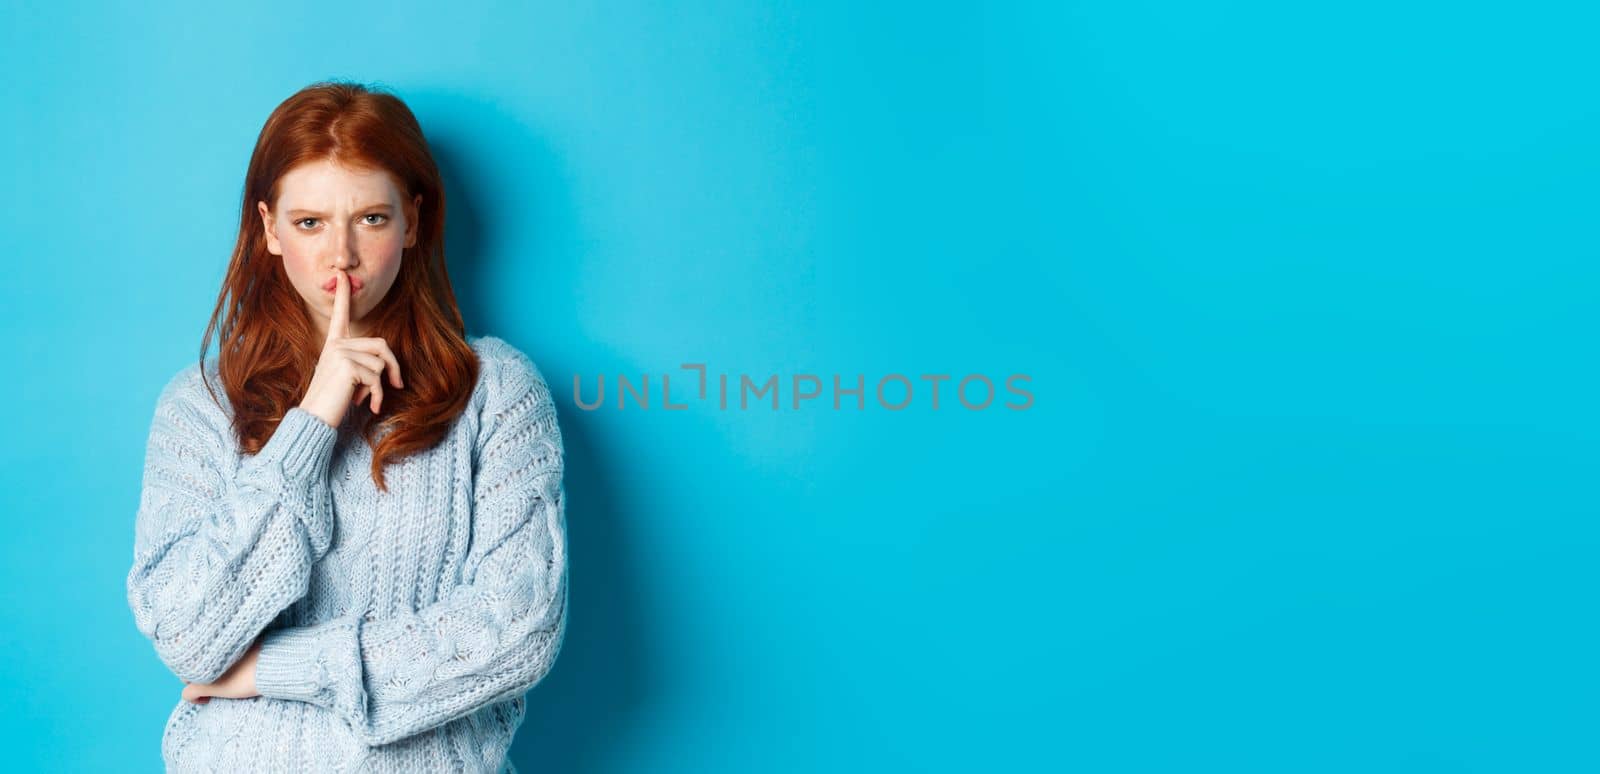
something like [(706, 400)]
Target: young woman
[(357, 555)]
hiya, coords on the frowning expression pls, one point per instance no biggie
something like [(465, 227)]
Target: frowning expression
[(330, 216)]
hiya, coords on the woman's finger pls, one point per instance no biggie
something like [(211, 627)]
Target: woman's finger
[(339, 321), (360, 375), (394, 366), (381, 348), (377, 393), (367, 359)]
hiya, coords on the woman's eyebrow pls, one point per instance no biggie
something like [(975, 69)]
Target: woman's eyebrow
[(301, 212)]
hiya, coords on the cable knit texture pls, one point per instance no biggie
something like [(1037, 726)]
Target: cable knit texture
[(400, 630)]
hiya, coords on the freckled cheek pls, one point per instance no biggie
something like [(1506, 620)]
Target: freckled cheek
[(387, 246), (378, 248), (385, 260), (301, 267), (381, 256)]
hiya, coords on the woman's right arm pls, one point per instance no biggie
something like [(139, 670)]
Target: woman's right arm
[(216, 561)]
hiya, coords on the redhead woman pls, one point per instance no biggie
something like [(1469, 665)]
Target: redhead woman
[(354, 556)]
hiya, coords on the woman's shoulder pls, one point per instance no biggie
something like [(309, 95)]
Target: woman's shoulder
[(190, 384), (506, 373), (493, 348), (511, 387), (187, 403)]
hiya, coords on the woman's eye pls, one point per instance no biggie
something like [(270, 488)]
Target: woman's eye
[(302, 220), (385, 219)]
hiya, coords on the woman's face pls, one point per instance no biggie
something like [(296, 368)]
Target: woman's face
[(331, 216)]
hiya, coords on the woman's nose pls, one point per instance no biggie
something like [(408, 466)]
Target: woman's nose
[(344, 255)]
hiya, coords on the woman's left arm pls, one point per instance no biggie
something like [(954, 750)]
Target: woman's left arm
[(488, 640)]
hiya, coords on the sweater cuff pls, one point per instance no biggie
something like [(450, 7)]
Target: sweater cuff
[(301, 443), (290, 665)]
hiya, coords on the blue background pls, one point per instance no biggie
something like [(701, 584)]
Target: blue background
[(1306, 292)]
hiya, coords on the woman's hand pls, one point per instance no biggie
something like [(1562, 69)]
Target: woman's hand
[(347, 364), (239, 682)]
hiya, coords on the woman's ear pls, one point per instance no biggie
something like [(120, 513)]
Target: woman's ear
[(266, 224), (411, 220)]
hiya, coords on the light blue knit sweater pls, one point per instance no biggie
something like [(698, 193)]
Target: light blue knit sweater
[(402, 629)]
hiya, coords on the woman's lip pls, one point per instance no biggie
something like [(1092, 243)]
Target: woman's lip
[(333, 284)]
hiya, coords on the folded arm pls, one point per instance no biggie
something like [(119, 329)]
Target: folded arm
[(215, 561), (492, 637)]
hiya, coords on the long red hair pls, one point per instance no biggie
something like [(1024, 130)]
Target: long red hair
[(267, 342)]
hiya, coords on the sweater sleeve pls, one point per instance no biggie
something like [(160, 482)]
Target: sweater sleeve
[(215, 561), (487, 640)]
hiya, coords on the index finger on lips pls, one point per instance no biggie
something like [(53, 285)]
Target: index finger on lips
[(339, 322)]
